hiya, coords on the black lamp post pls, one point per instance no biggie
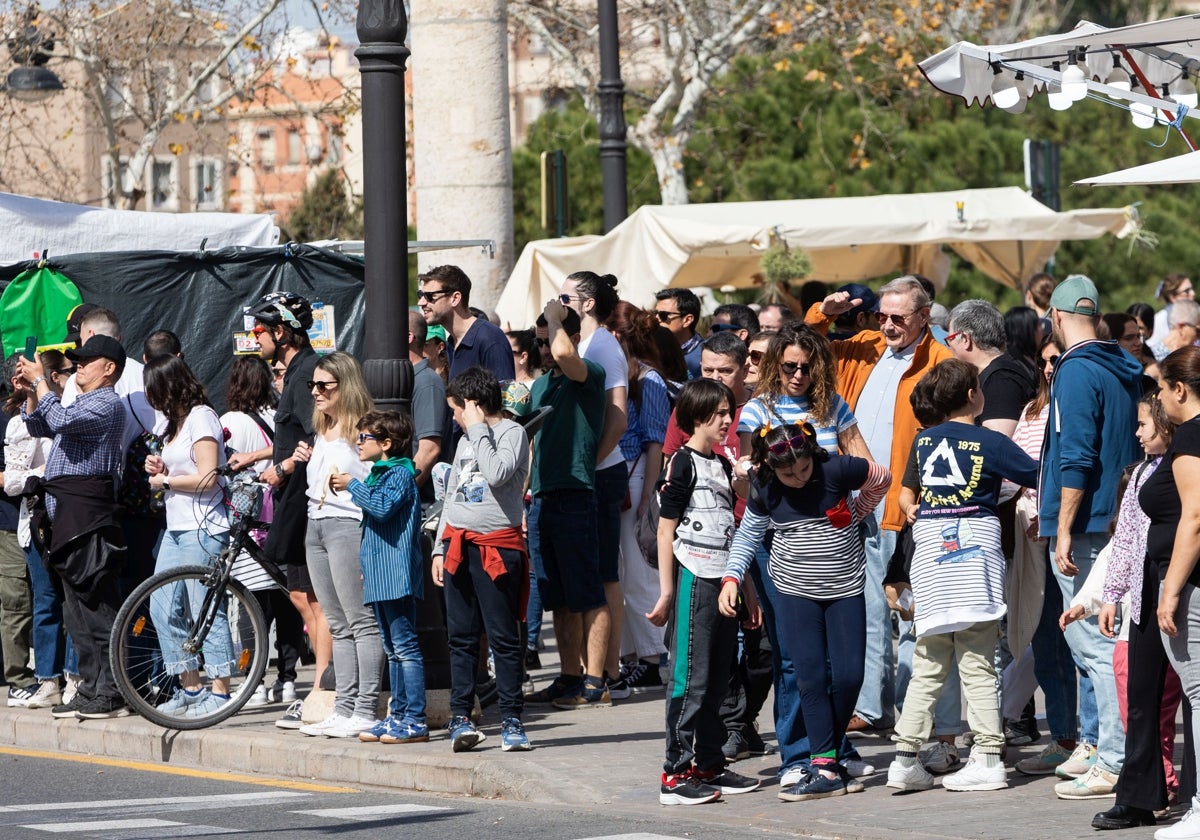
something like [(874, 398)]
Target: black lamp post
[(612, 119), (382, 26)]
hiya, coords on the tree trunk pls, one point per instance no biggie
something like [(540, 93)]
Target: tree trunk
[(666, 152)]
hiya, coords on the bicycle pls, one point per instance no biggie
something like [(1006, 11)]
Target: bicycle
[(202, 597)]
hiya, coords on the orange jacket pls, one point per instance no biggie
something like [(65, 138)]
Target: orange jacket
[(856, 358)]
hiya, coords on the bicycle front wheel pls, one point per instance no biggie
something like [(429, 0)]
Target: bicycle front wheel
[(177, 622)]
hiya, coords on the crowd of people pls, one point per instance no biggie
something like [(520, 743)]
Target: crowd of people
[(865, 503)]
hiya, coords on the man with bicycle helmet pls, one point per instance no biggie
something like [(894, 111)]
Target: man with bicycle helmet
[(281, 324)]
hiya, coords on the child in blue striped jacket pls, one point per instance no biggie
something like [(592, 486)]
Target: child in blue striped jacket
[(391, 566)]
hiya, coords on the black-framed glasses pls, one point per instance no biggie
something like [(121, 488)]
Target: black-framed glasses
[(1052, 361), (898, 320), (363, 437), (665, 317), (433, 296), (321, 385), (789, 368), (542, 342)]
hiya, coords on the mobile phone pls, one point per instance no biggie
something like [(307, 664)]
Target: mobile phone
[(31, 348)]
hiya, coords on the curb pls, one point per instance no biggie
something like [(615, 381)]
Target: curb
[(245, 746)]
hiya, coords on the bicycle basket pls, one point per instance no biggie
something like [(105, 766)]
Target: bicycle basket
[(245, 499)]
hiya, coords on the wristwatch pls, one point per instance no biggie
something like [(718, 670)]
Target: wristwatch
[(166, 485), (38, 381)]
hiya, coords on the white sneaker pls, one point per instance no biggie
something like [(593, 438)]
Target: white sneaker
[(1081, 761), (1188, 827), (1097, 783), (908, 778), (976, 776), (289, 692), (258, 698), (940, 758), (72, 687), (315, 729), (858, 768), (349, 727), (47, 695), (792, 776)]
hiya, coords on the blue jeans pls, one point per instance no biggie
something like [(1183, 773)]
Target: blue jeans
[(533, 612), (406, 669), (947, 714), (1093, 652), (877, 699), (49, 646), (172, 612), (1056, 672)]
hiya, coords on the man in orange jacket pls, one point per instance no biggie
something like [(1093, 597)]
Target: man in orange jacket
[(876, 373)]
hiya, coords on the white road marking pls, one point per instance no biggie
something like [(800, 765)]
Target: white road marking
[(213, 801), (371, 812), (102, 825)]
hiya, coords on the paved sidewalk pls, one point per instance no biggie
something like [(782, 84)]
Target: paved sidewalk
[(595, 758)]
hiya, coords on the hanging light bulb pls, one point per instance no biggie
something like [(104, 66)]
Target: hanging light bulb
[(1118, 78), (1142, 115), (1004, 88), (1058, 100), (1184, 91), (1024, 91), (1074, 83)]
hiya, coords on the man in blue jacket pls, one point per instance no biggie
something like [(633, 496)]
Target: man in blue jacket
[(1089, 440)]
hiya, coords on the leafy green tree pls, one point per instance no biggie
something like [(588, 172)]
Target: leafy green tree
[(325, 211)]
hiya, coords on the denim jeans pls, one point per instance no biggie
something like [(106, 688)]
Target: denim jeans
[(1056, 672), (1094, 653), (172, 612), (397, 622), (49, 646), (533, 613), (877, 699)]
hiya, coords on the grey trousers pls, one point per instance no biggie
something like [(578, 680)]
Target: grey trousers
[(16, 611), (1184, 650), (332, 547)]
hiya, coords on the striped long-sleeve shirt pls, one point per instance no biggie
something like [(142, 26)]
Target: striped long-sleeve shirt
[(391, 548)]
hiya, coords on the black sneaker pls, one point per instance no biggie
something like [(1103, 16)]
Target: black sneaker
[(1018, 733), (533, 662), (561, 687), (727, 781), (99, 708), (685, 789), (736, 747), (68, 709), (642, 677), (755, 744)]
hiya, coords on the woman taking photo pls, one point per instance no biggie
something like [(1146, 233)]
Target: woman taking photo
[(1173, 541), (340, 400), (197, 528)]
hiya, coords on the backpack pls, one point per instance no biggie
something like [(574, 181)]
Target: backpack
[(646, 529), (135, 494)]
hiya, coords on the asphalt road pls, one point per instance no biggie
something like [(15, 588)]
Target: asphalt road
[(86, 797)]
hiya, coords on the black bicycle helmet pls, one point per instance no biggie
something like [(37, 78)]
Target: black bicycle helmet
[(277, 308)]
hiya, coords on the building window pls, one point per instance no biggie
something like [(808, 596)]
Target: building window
[(164, 188), (123, 188), (160, 91), (266, 149), (295, 147), (206, 184)]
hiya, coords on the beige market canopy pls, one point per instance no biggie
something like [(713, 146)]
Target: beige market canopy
[(1003, 231), (1181, 169)]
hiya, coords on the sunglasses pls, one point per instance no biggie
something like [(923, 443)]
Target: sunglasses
[(898, 320), (789, 368), (432, 297), (542, 342), (756, 356), (665, 317), (565, 300), (363, 437), (321, 386), (782, 447), (259, 330), (1052, 361)]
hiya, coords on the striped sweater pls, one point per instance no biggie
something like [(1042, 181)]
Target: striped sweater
[(391, 550)]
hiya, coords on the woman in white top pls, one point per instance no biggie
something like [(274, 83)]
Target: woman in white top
[(197, 528), (340, 399)]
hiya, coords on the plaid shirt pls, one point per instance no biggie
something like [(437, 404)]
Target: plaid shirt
[(88, 435)]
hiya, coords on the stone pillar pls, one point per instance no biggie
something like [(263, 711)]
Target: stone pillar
[(461, 144)]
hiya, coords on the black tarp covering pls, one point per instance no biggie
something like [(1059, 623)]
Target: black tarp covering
[(199, 295)]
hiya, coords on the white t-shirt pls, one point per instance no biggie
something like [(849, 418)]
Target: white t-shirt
[(188, 511), (328, 457), (245, 435), (603, 348)]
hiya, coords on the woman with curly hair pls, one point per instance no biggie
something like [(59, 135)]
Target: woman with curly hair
[(197, 528), (340, 400), (797, 383)]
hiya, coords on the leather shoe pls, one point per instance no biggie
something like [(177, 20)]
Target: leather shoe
[(1122, 816)]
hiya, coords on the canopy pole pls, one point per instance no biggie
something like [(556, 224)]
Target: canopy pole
[(1152, 92)]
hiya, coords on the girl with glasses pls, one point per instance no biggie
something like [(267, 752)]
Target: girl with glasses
[(332, 541), (803, 495), (526, 356)]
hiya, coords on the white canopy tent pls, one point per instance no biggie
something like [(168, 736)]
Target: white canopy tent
[(35, 224), (1003, 231), (1181, 169)]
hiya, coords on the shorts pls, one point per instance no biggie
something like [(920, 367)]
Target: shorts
[(612, 485), (297, 578), (570, 552)]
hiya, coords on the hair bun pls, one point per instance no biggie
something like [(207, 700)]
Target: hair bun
[(610, 279)]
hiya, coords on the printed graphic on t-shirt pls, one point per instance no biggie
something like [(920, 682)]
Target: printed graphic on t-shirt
[(472, 486), (957, 546), (950, 474)]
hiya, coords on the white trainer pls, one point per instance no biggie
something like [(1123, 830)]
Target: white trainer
[(1188, 827), (858, 768), (908, 778), (349, 727), (792, 776), (320, 728), (976, 776)]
